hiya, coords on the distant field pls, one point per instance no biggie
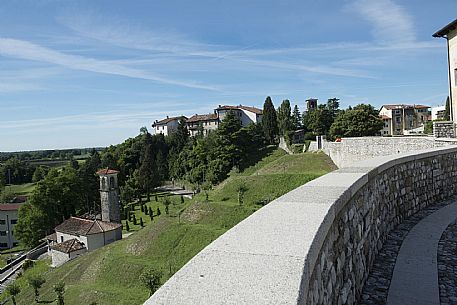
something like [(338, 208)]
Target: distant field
[(110, 275), (22, 189)]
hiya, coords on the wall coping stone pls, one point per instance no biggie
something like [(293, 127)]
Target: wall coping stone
[(269, 257)]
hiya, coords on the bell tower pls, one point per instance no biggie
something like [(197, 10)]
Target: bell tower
[(109, 195)]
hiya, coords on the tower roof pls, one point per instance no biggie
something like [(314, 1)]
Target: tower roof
[(107, 171)]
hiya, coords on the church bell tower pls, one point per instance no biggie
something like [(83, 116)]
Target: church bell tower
[(109, 195)]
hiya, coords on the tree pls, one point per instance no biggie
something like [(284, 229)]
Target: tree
[(40, 173), (360, 121), (296, 118), (36, 282), (269, 121), (141, 222), (151, 279), (127, 227), (59, 289), (284, 118), (13, 290), (241, 189), (447, 111), (31, 225), (158, 211), (318, 120)]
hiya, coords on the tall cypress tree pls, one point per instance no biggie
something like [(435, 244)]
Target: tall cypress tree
[(284, 117), (447, 110), (296, 118), (269, 121)]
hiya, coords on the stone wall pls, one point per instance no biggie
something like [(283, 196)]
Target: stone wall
[(351, 150), (316, 244), (443, 129)]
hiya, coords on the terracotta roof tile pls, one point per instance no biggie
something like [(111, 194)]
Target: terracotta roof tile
[(69, 246), (10, 206), (168, 120), (202, 117), (247, 108), (107, 171), (80, 226)]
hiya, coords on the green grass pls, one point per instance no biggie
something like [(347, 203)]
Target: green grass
[(110, 275), (21, 189)]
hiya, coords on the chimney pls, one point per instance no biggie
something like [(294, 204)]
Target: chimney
[(167, 116)]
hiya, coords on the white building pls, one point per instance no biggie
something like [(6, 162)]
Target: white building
[(8, 219), (76, 235), (401, 119), (449, 32), (438, 112), (246, 114), (167, 126)]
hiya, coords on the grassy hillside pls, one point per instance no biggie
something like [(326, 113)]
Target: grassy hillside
[(21, 189), (110, 275)]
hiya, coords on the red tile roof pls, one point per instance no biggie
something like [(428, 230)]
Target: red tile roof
[(247, 108), (202, 117), (10, 206), (69, 246), (80, 226), (107, 171), (168, 120), (403, 106)]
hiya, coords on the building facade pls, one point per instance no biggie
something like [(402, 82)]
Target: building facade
[(167, 126), (438, 113), (449, 32), (8, 219), (77, 235), (247, 115), (202, 123), (400, 119)]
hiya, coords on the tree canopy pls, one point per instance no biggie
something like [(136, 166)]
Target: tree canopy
[(362, 120)]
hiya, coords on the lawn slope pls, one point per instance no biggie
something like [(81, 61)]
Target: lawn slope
[(110, 275)]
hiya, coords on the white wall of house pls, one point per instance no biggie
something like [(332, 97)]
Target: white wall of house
[(452, 36), (8, 220), (60, 258)]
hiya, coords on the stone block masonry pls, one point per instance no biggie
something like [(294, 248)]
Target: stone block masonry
[(443, 129), (316, 244)]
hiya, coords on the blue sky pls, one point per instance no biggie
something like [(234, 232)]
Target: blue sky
[(91, 73)]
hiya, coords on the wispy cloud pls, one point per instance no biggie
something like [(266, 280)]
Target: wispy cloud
[(26, 50), (390, 21)]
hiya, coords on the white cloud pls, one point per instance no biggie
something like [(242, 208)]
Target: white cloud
[(26, 50), (390, 21)]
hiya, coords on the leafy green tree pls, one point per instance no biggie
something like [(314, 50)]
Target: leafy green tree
[(150, 278), (285, 122), (6, 195), (296, 118), (59, 289), (241, 190), (360, 121), (36, 282), (13, 290), (318, 120), (270, 122), (32, 224), (40, 173)]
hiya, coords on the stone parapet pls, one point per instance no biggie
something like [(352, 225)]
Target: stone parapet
[(317, 243), (444, 129)]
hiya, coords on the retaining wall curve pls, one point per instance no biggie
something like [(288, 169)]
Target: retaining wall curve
[(316, 244)]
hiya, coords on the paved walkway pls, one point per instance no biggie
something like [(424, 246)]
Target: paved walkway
[(415, 277)]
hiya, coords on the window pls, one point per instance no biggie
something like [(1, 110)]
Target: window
[(397, 111), (61, 239), (3, 245), (397, 119), (13, 221), (2, 221), (2, 233), (15, 244)]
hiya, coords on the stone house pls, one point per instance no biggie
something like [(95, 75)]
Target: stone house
[(167, 126), (449, 32), (8, 219), (77, 235), (400, 119), (205, 122)]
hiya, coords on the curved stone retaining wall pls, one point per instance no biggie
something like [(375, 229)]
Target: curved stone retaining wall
[(316, 244)]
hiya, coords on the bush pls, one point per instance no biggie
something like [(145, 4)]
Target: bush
[(127, 227), (310, 136), (141, 222), (27, 264), (134, 219)]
